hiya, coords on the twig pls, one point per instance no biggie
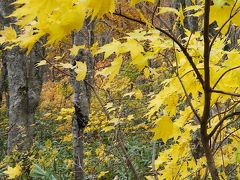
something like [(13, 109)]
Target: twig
[(224, 112), (190, 71), (223, 92), (185, 92), (99, 100), (121, 145), (224, 75), (9, 129), (129, 162), (220, 144), (184, 50), (189, 40), (221, 121), (154, 11), (219, 31), (153, 160)]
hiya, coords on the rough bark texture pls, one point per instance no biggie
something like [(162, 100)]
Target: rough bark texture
[(81, 101), (24, 86), (24, 82), (3, 82)]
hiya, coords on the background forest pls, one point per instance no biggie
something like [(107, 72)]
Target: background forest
[(119, 89)]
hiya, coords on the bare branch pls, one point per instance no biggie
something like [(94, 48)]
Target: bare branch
[(220, 144), (224, 24), (184, 89), (153, 160), (221, 121), (184, 50), (224, 75), (223, 92), (154, 11), (99, 99)]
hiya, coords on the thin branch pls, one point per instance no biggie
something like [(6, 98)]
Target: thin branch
[(221, 121), (99, 100), (223, 92), (9, 129), (189, 40), (179, 170), (153, 160), (231, 122), (161, 20), (220, 130), (220, 144), (51, 64), (189, 100), (121, 145), (224, 112), (128, 161), (184, 50), (154, 11), (224, 24), (183, 87), (190, 71), (224, 75), (186, 177)]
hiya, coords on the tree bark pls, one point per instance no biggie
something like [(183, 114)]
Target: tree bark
[(24, 83), (3, 82), (81, 99), (207, 96), (24, 87)]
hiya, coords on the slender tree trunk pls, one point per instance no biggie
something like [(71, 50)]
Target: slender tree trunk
[(81, 100), (207, 96), (24, 87), (3, 82)]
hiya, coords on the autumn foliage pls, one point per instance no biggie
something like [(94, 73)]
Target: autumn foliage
[(165, 97)]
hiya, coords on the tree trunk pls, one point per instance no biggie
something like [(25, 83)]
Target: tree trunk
[(81, 100), (24, 83), (3, 82), (24, 87)]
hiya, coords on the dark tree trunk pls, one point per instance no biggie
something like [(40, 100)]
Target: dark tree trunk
[(81, 100)]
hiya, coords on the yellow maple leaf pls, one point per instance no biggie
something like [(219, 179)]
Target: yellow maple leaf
[(146, 72), (66, 65), (134, 46), (74, 50), (133, 2), (113, 70), (108, 128), (165, 129), (101, 7), (81, 70), (41, 63), (13, 172), (67, 138), (181, 16), (142, 60), (225, 8), (108, 49), (163, 10), (8, 34), (138, 94), (102, 173)]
